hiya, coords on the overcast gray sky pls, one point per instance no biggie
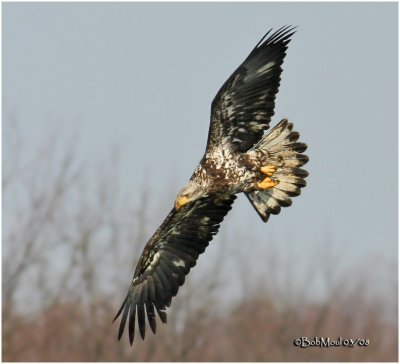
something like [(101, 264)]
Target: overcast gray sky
[(142, 76)]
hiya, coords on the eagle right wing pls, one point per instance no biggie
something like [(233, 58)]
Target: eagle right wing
[(166, 259), (243, 107)]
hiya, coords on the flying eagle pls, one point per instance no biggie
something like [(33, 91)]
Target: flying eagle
[(238, 158)]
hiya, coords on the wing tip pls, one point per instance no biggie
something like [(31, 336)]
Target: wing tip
[(126, 308), (121, 308), (134, 308), (282, 35)]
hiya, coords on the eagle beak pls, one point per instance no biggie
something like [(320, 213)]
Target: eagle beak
[(180, 201)]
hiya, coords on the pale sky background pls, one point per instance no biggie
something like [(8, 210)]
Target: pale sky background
[(141, 76)]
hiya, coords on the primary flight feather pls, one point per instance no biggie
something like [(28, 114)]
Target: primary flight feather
[(238, 158)]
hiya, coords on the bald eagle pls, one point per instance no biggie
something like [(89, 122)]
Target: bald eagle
[(238, 158)]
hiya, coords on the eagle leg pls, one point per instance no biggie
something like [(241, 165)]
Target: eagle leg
[(267, 183), (268, 170)]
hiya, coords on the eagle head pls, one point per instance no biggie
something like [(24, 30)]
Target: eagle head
[(191, 192)]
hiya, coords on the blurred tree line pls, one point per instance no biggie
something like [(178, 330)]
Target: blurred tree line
[(71, 239)]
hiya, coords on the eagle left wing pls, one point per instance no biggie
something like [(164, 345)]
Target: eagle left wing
[(243, 107), (166, 259)]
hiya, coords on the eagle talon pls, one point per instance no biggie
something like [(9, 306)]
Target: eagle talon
[(267, 183), (268, 170)]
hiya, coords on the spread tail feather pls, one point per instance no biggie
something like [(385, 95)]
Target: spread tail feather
[(285, 152)]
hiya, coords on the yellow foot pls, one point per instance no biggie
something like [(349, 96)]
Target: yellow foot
[(268, 170), (267, 183)]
